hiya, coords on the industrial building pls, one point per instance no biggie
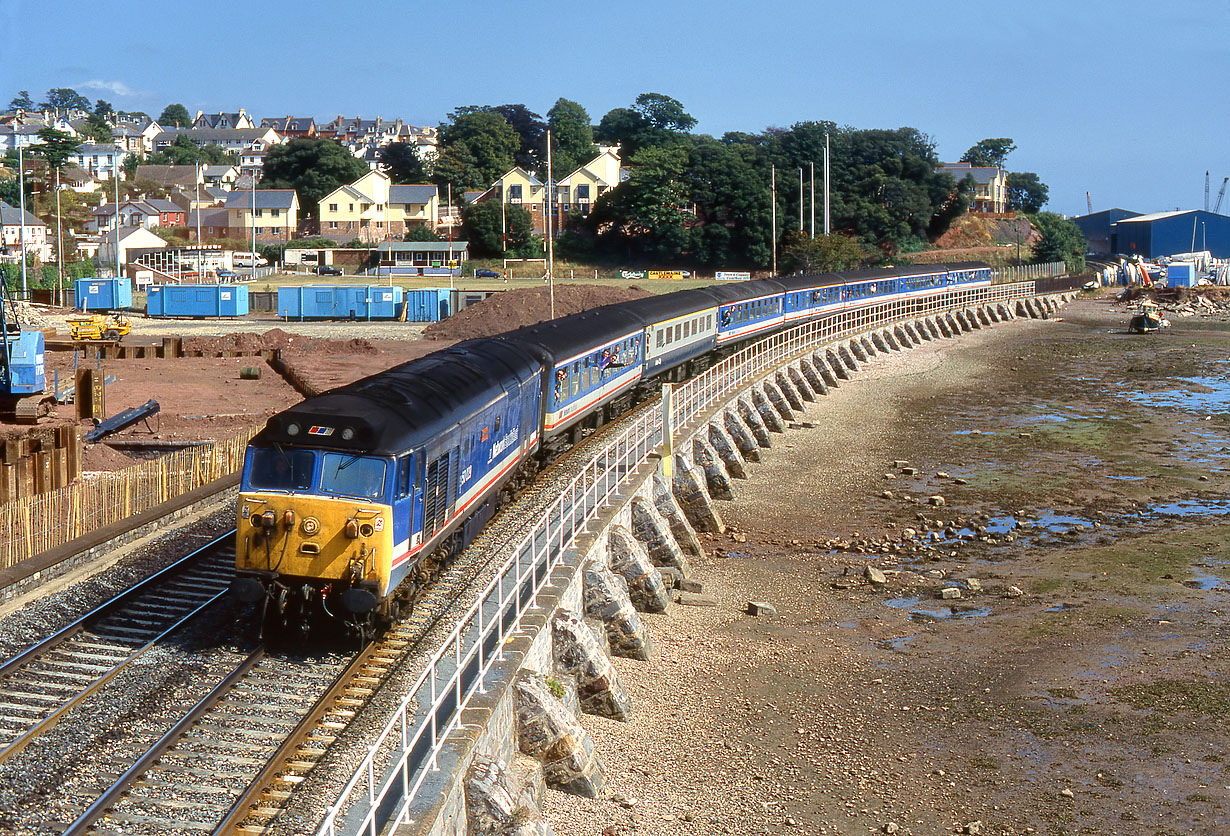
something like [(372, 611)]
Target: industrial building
[(1168, 233), (1096, 228)]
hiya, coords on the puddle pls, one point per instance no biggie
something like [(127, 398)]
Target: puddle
[(1208, 395), (948, 613), (1192, 507), (1126, 478), (972, 432), (1204, 580), (898, 643), (903, 603), (1061, 607)]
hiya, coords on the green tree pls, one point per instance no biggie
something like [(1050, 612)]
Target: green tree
[(65, 98), (654, 120), (1059, 240), (183, 151), (730, 189), (175, 115), (532, 155), (56, 147), (647, 215), (97, 129), (103, 108), (486, 230), (822, 254), (420, 232), (989, 152), (664, 113), (313, 168), (1026, 192), (572, 135), (22, 101), (476, 147), (401, 161)]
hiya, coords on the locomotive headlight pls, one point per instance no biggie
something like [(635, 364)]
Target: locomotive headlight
[(310, 525), (348, 434), (292, 429), (366, 530)]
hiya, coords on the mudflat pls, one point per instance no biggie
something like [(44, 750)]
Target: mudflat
[(1000, 572)]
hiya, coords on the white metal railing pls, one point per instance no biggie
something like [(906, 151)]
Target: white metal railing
[(410, 742)]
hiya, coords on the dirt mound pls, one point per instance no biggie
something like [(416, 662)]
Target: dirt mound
[(527, 306), (96, 458), (274, 339), (974, 231)]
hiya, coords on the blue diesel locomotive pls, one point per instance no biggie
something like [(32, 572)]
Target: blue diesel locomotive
[(351, 500)]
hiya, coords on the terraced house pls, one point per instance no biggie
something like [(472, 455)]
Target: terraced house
[(373, 208)]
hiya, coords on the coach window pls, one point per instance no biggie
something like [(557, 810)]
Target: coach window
[(576, 377), (281, 470)]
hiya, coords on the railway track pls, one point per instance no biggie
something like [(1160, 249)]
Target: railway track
[(48, 680)]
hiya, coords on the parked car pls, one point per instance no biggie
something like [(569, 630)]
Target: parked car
[(327, 270), (225, 275), (484, 273)]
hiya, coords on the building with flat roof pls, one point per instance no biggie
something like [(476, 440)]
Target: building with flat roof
[(1168, 233)]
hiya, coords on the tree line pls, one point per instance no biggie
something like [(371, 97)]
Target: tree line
[(688, 199)]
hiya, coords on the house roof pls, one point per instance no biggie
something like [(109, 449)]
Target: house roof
[(217, 170), (75, 172), (162, 205), (981, 174), (168, 175), (412, 193), (422, 246), (265, 199), (92, 148), (212, 216), (12, 216), (289, 123)]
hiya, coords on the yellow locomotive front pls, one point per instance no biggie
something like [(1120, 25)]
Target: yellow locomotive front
[(314, 536)]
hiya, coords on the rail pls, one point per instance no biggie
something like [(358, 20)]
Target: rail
[(409, 745)]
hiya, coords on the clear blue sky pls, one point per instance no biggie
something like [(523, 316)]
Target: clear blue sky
[(1126, 100)]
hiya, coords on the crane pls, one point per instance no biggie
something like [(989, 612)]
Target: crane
[(1089, 202), (1220, 194), (1206, 191)]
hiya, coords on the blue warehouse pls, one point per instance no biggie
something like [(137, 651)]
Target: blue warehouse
[(1168, 233)]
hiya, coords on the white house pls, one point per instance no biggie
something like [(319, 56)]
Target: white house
[(131, 238), (36, 239), (103, 161)]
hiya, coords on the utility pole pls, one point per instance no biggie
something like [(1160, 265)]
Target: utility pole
[(59, 240), (253, 175), (21, 193), (827, 173), (550, 241), (812, 192), (1206, 190), (800, 198), (773, 207)]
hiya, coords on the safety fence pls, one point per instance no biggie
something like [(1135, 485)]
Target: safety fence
[(1030, 272), (380, 791), (37, 524)]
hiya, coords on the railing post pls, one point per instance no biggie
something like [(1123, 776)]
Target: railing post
[(668, 433)]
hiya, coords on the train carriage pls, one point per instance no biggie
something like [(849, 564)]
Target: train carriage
[(747, 309), (588, 360), (679, 327)]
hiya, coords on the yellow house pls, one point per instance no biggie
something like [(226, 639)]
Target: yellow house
[(578, 191), (373, 208), (990, 186), (276, 216)]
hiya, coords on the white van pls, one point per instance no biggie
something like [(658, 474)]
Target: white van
[(244, 259)]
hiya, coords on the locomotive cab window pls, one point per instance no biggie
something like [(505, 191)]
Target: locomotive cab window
[(346, 474), (281, 470)]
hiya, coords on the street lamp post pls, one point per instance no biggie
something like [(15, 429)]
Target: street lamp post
[(21, 193)]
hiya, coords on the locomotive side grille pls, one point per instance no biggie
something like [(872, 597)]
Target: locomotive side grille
[(435, 495)]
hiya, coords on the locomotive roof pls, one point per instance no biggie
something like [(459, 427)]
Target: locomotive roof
[(567, 336), (397, 409)]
